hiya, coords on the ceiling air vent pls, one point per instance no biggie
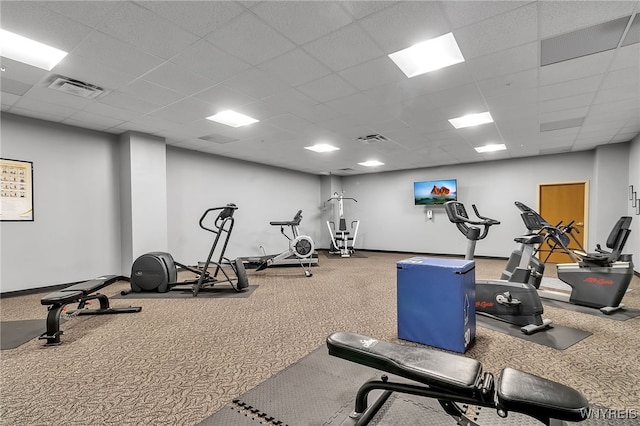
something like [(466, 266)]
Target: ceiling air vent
[(75, 87), (346, 169), (375, 138)]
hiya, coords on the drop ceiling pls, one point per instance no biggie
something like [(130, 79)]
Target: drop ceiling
[(557, 76)]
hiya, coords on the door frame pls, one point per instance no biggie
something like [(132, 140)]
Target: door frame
[(585, 231)]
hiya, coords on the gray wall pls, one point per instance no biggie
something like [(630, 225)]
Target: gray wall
[(75, 235), (77, 230), (197, 181), (633, 245)]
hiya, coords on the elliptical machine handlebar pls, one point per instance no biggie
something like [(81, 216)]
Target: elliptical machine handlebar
[(227, 212)]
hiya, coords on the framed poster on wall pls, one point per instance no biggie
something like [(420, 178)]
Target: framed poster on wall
[(16, 190)]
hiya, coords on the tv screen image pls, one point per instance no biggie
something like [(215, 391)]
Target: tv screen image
[(432, 192)]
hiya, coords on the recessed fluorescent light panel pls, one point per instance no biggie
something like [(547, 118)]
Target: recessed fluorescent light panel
[(232, 118), (491, 148), (321, 147), (30, 52), (371, 163), (428, 55), (471, 120)]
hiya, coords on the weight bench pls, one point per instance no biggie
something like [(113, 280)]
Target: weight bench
[(452, 379), (79, 293)]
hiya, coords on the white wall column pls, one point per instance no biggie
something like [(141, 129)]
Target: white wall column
[(143, 196)]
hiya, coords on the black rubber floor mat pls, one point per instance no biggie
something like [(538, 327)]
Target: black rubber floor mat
[(16, 333), (621, 315), (557, 336), (222, 292)]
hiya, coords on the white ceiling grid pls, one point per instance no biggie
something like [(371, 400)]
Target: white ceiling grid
[(318, 71)]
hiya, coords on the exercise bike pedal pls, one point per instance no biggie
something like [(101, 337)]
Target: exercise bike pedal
[(533, 328), (506, 299)]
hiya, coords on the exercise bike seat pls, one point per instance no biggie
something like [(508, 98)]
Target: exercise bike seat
[(435, 368)]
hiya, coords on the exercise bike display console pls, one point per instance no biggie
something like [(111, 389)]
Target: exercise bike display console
[(514, 300)]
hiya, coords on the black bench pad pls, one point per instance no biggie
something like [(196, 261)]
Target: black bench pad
[(434, 368), (525, 393), (80, 290)]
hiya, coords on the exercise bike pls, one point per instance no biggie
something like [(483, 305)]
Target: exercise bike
[(514, 300), (597, 280), (158, 271), (301, 247), (342, 242), (454, 381)]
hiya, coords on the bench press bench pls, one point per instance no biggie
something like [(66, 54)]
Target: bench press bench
[(79, 293), (452, 379)]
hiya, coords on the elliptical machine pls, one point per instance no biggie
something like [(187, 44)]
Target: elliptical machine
[(157, 271), (342, 242), (514, 301), (596, 280), (300, 246)]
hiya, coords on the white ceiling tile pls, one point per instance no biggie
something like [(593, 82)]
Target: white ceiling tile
[(463, 13), (152, 92), (50, 108), (164, 79), (373, 73), (100, 108), (575, 68), (128, 102), (571, 88), (295, 67), (89, 13), (344, 48), (34, 21), (327, 88), (206, 60), (173, 77), (620, 93), (303, 21), (256, 83), (505, 84), (21, 72), (506, 62), (360, 9), (186, 111), (568, 114), (405, 24), (250, 39), (198, 17), (104, 49), (627, 56), (560, 17), (622, 77), (501, 32), (88, 71), (8, 99), (570, 102), (142, 28), (99, 122)]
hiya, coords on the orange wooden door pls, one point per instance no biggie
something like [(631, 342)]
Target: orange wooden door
[(563, 203)]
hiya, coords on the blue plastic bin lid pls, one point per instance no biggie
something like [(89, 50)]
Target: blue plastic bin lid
[(457, 265)]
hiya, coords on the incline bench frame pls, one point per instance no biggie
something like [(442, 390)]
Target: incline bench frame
[(452, 379), (79, 293)]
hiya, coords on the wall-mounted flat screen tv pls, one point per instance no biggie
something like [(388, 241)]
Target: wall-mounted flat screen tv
[(432, 192)]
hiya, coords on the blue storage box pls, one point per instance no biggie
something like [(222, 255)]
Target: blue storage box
[(436, 302)]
